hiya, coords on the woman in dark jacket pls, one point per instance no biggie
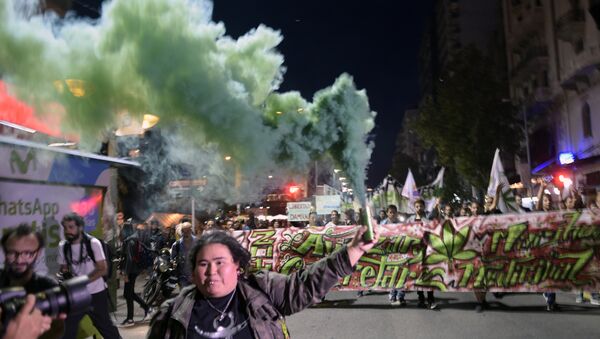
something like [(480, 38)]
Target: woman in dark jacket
[(224, 302), (130, 271)]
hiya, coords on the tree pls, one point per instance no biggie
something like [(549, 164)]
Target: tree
[(469, 118)]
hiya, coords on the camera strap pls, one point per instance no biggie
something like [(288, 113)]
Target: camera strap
[(85, 245)]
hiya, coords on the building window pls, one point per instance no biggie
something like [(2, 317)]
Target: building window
[(578, 47), (586, 120)]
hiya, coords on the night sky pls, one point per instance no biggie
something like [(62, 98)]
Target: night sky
[(376, 41)]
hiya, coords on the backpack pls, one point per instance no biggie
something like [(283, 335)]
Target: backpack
[(141, 255), (87, 241)]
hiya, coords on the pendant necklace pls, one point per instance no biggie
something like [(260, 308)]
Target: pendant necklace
[(222, 313)]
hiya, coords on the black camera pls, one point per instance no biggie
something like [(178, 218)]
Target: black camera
[(64, 276), (71, 297)]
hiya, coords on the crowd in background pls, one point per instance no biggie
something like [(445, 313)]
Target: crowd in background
[(180, 237)]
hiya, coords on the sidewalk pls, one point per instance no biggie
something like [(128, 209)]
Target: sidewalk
[(139, 330)]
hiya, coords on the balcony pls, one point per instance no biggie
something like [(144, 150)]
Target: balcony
[(577, 72), (534, 60), (570, 27)]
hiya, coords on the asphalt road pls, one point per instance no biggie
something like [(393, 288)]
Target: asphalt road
[(514, 316), (345, 316)]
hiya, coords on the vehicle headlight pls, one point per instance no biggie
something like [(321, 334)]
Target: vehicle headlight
[(163, 266)]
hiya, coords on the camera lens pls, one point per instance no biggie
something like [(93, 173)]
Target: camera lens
[(71, 297)]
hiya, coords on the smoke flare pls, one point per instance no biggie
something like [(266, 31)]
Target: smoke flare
[(215, 95)]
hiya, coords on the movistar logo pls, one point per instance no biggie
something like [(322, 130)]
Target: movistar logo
[(22, 165)]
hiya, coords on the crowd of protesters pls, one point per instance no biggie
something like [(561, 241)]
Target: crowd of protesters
[(179, 238), (544, 202), (83, 254)]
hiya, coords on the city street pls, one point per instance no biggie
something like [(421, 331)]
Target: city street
[(342, 315), (434, 144)]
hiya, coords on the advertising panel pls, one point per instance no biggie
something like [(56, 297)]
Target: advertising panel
[(43, 205)]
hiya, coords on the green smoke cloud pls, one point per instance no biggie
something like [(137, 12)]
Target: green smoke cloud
[(215, 95)]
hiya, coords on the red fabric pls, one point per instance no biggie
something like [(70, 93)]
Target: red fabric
[(17, 112)]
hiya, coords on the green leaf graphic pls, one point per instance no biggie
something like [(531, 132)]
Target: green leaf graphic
[(437, 244), (448, 237), (450, 246), (465, 255), (435, 258), (460, 239)]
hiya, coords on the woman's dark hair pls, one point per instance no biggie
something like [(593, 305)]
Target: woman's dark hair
[(22, 230), (579, 203), (240, 254), (549, 199)]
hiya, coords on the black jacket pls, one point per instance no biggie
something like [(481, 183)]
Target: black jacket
[(269, 297), (130, 254)]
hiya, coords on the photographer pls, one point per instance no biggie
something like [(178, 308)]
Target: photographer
[(22, 246), (28, 324), (75, 259)]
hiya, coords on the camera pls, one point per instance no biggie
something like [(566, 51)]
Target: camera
[(64, 276), (71, 297)]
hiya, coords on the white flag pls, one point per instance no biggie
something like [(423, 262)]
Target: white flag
[(506, 199), (392, 197), (410, 187), (432, 190), (410, 192), (439, 180)]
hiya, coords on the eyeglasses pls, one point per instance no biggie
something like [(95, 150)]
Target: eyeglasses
[(13, 255)]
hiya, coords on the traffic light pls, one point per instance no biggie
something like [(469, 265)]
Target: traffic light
[(563, 179), (293, 189)]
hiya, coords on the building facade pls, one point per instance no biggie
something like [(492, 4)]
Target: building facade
[(452, 25), (553, 55)]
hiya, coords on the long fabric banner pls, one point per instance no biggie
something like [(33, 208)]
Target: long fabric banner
[(513, 252)]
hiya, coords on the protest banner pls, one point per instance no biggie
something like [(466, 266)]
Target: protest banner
[(512, 253), (298, 211), (327, 203)]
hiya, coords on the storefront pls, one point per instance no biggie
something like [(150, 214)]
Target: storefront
[(40, 184)]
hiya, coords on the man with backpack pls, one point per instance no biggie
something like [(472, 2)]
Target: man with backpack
[(81, 254)]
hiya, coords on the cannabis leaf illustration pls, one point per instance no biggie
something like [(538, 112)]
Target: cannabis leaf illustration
[(427, 278), (449, 246)]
